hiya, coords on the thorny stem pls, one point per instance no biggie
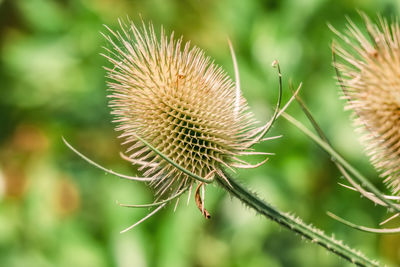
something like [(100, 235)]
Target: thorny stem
[(292, 223)]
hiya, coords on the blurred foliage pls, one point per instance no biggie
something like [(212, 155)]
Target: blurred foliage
[(56, 210)]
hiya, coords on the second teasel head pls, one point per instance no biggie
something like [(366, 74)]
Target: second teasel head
[(369, 74)]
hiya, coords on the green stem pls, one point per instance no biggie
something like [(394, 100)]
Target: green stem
[(365, 182), (292, 223)]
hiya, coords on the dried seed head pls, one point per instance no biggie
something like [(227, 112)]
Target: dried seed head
[(370, 79), (172, 96)]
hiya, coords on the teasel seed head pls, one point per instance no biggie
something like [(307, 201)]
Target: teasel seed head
[(169, 99), (370, 78)]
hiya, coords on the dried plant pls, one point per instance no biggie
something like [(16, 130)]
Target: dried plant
[(370, 79), (171, 95), (186, 124)]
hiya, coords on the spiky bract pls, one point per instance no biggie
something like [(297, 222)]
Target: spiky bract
[(370, 78), (172, 95)]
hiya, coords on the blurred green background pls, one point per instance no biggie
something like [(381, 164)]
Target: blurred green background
[(57, 210)]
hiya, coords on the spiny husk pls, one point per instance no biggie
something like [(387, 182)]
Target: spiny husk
[(172, 95), (370, 78)]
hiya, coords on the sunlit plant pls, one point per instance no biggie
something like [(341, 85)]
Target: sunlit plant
[(169, 99), (368, 75), (370, 79), (185, 124)]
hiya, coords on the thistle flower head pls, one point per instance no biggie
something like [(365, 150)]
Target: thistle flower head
[(169, 99), (370, 79)]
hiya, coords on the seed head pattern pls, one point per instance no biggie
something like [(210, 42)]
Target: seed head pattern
[(370, 79), (175, 98)]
